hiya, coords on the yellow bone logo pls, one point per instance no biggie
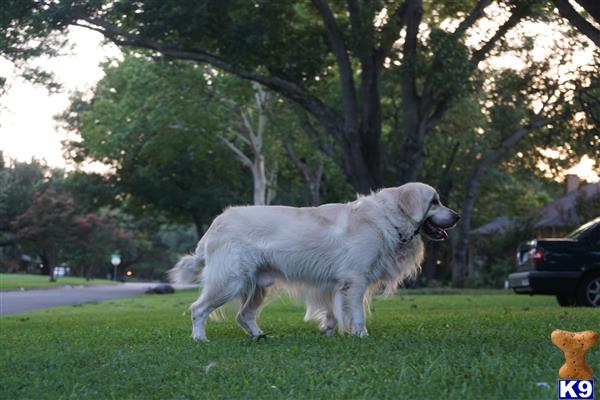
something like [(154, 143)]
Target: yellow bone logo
[(574, 345)]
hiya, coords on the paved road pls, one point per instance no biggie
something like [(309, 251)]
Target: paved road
[(13, 302)]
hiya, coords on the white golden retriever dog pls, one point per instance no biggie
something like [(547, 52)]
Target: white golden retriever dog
[(336, 253)]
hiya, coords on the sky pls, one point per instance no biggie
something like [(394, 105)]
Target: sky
[(27, 126)]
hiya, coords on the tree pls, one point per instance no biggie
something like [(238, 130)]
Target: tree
[(79, 219), (160, 135), (45, 227), (511, 187), (91, 191), (56, 229), (533, 104), (19, 181), (252, 134), (17, 46), (289, 47), (576, 19), (312, 180), (95, 236)]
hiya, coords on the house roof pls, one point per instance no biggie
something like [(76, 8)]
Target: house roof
[(561, 212), (499, 224)]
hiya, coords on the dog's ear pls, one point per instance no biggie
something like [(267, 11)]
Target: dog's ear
[(411, 202)]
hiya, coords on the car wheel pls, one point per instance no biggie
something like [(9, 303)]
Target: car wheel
[(589, 291), (566, 300)]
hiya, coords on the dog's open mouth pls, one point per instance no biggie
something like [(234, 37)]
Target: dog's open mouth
[(434, 231)]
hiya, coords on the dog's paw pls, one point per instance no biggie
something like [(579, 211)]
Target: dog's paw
[(359, 333), (262, 336), (199, 338), (256, 339), (327, 331)]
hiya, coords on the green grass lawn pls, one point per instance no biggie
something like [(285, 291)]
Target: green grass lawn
[(422, 346), (28, 281)]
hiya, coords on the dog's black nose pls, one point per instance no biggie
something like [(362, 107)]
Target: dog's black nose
[(455, 217)]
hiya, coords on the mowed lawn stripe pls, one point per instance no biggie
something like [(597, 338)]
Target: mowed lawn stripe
[(421, 346), (30, 281)]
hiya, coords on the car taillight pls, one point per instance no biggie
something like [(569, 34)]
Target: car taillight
[(536, 256)]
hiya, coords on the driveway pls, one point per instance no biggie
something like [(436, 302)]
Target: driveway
[(13, 302)]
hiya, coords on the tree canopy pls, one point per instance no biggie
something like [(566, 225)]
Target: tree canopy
[(378, 93), (328, 58)]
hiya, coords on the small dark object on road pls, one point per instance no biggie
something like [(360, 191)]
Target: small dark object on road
[(161, 289)]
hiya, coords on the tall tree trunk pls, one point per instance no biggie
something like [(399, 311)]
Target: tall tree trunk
[(45, 270), (253, 137), (412, 151), (444, 186), (90, 273), (260, 180), (461, 245), (312, 180), (431, 256), (371, 120), (48, 263), (360, 139), (413, 145), (198, 225)]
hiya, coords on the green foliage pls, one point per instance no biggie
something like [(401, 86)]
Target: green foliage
[(97, 235), (155, 123), (45, 226), (18, 182), (66, 219), (526, 195), (452, 67), (20, 24), (516, 96), (53, 228), (158, 124), (91, 191), (238, 29), (419, 346), (440, 10), (494, 255)]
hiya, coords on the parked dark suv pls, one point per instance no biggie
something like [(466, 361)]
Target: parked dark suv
[(568, 268)]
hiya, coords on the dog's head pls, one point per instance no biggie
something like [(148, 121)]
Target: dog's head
[(421, 203)]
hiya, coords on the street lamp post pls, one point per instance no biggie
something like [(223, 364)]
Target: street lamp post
[(115, 261)]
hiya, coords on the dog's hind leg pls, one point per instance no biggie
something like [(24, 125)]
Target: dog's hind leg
[(327, 316), (212, 297), (246, 316), (319, 307), (328, 324)]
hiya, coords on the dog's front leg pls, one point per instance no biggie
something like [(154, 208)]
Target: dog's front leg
[(348, 307), (356, 299)]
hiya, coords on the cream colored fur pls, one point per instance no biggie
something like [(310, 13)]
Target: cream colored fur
[(337, 254)]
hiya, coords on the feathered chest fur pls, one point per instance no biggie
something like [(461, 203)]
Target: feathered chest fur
[(397, 262)]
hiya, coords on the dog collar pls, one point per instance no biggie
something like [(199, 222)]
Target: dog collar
[(416, 232), (403, 239)]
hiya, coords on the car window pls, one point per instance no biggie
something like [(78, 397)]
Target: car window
[(585, 229)]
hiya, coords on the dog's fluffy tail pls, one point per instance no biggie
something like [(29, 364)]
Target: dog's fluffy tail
[(188, 268)]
